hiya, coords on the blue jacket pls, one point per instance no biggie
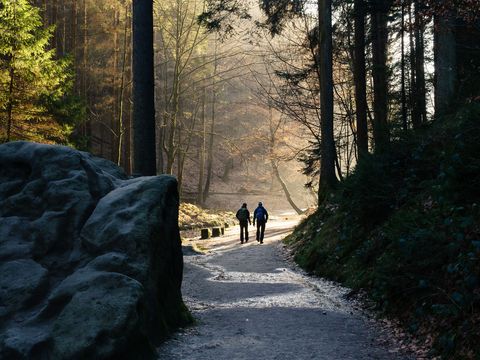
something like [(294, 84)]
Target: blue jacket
[(260, 214)]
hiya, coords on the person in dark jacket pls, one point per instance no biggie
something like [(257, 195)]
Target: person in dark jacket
[(260, 215), (243, 215)]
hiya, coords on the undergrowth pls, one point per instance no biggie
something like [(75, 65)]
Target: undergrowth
[(406, 228), (191, 216)]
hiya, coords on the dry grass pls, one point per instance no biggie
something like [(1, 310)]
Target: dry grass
[(193, 217)]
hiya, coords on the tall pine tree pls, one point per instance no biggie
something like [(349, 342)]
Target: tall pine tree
[(33, 84)]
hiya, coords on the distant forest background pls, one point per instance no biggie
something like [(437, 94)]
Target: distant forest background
[(237, 86)]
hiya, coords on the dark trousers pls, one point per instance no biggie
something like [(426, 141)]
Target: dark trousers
[(260, 230), (243, 228)]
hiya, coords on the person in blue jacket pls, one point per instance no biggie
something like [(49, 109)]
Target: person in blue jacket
[(260, 215)]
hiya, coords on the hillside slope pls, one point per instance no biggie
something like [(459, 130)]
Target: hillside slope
[(405, 227)]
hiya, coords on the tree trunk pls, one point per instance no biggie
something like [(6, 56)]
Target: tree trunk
[(185, 148), (359, 74), (128, 101), (172, 147), (143, 89), (173, 113), (227, 169), (285, 189), (421, 102), (201, 154), (273, 127), (115, 133), (121, 126), (328, 178), (160, 145), (179, 158), (413, 67), (381, 133), (418, 72), (54, 22), (445, 63), (206, 190), (11, 74), (74, 16), (44, 7), (64, 29), (87, 123), (402, 60), (211, 139)]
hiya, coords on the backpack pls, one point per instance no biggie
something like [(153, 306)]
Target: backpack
[(260, 214), (242, 214)]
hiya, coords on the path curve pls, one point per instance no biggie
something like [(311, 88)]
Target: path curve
[(251, 303)]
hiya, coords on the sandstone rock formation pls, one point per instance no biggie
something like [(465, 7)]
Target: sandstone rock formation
[(90, 261)]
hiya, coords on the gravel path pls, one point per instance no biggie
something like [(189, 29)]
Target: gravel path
[(251, 303)]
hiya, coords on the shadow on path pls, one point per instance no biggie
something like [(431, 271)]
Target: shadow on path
[(250, 304)]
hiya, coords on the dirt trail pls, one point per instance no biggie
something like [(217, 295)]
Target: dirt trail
[(250, 303)]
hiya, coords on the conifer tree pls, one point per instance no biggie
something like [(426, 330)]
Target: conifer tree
[(33, 83)]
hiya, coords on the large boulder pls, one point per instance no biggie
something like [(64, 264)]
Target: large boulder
[(90, 260)]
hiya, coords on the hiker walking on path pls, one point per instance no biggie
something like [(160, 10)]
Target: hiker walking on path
[(260, 215), (243, 215)]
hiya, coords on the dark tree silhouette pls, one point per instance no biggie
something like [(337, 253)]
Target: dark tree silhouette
[(381, 135), (360, 78), (328, 178), (143, 89), (445, 61)]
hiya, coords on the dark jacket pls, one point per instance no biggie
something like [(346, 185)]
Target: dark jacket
[(260, 214), (243, 215)]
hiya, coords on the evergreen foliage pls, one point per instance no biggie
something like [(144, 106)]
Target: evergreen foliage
[(35, 99), (405, 228)]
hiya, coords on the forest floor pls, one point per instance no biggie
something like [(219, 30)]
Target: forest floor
[(251, 302)]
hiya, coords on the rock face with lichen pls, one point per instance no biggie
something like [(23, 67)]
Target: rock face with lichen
[(90, 261)]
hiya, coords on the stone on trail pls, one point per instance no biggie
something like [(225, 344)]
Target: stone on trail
[(216, 232), (205, 234), (90, 261)]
